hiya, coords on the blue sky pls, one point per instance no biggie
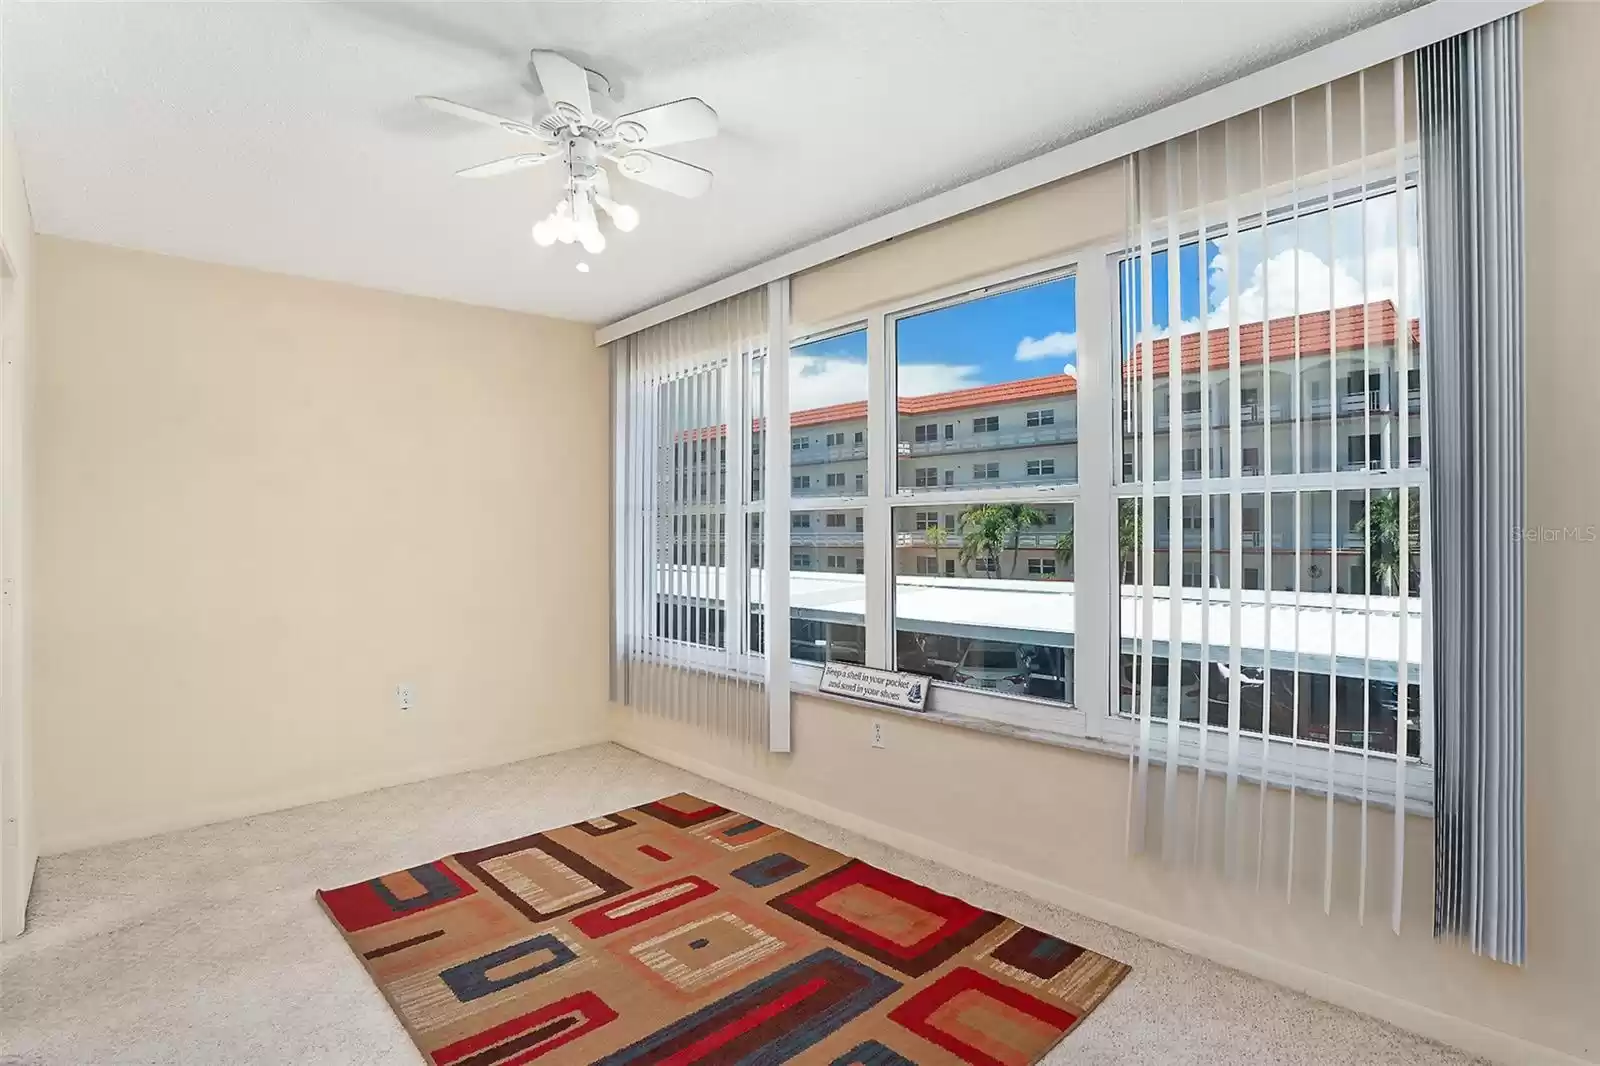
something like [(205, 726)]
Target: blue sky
[(1352, 256)]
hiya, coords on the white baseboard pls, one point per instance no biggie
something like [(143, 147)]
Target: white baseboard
[(244, 806), (1413, 1017)]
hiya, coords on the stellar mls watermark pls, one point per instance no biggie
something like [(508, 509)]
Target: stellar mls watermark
[(1555, 534)]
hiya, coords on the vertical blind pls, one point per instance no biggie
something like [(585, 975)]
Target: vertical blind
[(1471, 107), (1274, 485), (688, 533)]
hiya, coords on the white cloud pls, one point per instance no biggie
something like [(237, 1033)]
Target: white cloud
[(1297, 278), (1059, 343), (822, 381)]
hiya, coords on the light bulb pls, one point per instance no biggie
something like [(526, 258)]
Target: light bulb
[(583, 268), (626, 218), (594, 242), (544, 233)]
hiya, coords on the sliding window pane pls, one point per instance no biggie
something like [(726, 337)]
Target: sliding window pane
[(827, 586), (987, 391), (828, 416), (984, 596)]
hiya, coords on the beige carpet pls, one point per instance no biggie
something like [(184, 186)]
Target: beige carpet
[(203, 947)]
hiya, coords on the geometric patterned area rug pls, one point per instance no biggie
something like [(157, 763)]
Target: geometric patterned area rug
[(681, 932)]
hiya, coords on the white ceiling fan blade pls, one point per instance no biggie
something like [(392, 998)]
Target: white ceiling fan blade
[(507, 165), (473, 114), (663, 172), (690, 119), (565, 85)]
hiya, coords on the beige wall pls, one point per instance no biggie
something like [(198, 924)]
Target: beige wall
[(1051, 820), (264, 502), (18, 840)]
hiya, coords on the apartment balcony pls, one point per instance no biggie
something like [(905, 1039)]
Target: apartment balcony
[(916, 538), (817, 456), (824, 538), (1062, 433)]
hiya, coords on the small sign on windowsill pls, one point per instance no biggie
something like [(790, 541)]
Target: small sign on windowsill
[(892, 689)]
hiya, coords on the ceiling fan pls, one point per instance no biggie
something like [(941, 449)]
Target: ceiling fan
[(579, 127)]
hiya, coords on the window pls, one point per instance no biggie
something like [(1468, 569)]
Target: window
[(801, 561), (985, 471), (1363, 451), (827, 606), (1041, 467), (861, 524), (962, 641), (1049, 515), (1038, 367), (861, 566), (828, 394), (1296, 547), (1191, 401), (927, 477), (861, 483), (800, 443), (800, 521), (800, 482)]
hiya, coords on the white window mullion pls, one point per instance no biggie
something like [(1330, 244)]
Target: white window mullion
[(877, 542), (1096, 642)]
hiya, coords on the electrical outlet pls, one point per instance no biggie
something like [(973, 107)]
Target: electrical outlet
[(877, 734), (405, 697)]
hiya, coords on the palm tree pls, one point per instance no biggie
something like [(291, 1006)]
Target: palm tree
[(1064, 551), (1379, 531), (1019, 517), (985, 529), (936, 538), (1130, 539)]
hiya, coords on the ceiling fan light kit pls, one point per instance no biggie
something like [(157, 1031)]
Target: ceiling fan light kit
[(578, 127)]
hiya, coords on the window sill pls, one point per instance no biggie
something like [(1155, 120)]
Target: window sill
[(1071, 733)]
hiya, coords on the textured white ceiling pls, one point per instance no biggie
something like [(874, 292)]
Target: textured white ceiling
[(283, 136)]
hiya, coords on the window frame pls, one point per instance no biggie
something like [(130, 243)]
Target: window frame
[(1347, 774), (1093, 721)]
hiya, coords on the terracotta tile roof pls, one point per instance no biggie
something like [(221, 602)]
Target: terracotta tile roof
[(1351, 323)]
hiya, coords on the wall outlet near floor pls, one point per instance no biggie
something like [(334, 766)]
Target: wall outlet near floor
[(405, 697), (877, 734)]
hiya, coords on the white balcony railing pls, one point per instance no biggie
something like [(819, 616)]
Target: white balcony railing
[(837, 454), (1061, 433)]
